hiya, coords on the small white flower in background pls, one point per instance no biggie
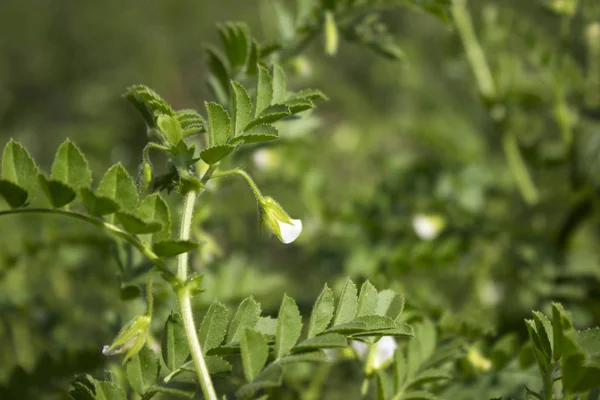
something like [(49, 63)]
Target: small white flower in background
[(427, 227), (379, 353), (490, 293), (276, 219), (264, 159)]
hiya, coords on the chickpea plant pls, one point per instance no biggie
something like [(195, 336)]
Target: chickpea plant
[(251, 105)]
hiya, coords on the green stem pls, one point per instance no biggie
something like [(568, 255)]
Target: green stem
[(245, 175), (184, 297), (115, 230), (519, 169)]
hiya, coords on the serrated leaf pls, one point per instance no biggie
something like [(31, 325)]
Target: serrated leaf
[(399, 368), (191, 122), (135, 225), (171, 248), (98, 205), (15, 195), (400, 330), (367, 300), (428, 376), (142, 370), (174, 345), (242, 107), (252, 60), (57, 192), (254, 351), (264, 90), (279, 90), (326, 341), (384, 300), (171, 127), (155, 208), (541, 356), (421, 347), (246, 316), (214, 154), (298, 105), (219, 124), (257, 134), (70, 167), (217, 365), (218, 79), (266, 326), (289, 327), (214, 327), (117, 185), (269, 115), (19, 168), (382, 386), (308, 94), (346, 309), (148, 103), (347, 328), (561, 325), (167, 390), (544, 330), (322, 312)]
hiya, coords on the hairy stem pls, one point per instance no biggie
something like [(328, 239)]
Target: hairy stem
[(245, 175)]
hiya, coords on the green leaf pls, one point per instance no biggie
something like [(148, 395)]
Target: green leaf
[(191, 122), (214, 154), (252, 60), (109, 391), (561, 325), (168, 391), (218, 79), (421, 347), (298, 105), (171, 248), (98, 205), (19, 168), (117, 185), (57, 192), (326, 341), (70, 167), (148, 103), (308, 94), (401, 330), (264, 90), (384, 300), (254, 353), (541, 356), (269, 115), (367, 300), (289, 327), (418, 395), (257, 134), (219, 124), (544, 329), (346, 310), (383, 385), (214, 327), (174, 344), (135, 225), (14, 195), (279, 91), (266, 326), (322, 312), (400, 369), (142, 370), (242, 107), (217, 365), (171, 127), (155, 208), (428, 376), (246, 316)]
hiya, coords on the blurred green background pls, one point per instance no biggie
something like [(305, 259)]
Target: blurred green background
[(399, 144)]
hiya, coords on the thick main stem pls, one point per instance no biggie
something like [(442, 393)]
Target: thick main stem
[(185, 303)]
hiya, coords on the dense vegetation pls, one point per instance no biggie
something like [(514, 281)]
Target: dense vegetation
[(430, 167)]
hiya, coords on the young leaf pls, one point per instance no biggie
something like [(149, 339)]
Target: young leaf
[(308, 94), (322, 313), (279, 92), (191, 122), (326, 341), (135, 225), (289, 327), (254, 353), (19, 169), (155, 208), (242, 107), (142, 370), (97, 205), (367, 300), (257, 134), (214, 327), (117, 185), (269, 115), (148, 103), (174, 344), (246, 316), (218, 124), (57, 192), (346, 310), (264, 90), (171, 127), (70, 167), (214, 154), (171, 248), (544, 329), (252, 60), (218, 80)]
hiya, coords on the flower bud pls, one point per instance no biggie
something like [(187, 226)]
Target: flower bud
[(277, 221), (131, 338)]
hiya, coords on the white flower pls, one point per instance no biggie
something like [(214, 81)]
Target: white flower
[(277, 220), (427, 227), (377, 355)]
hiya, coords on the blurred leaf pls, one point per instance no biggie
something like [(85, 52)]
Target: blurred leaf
[(174, 343), (148, 103), (135, 225), (171, 248), (98, 205), (264, 91), (142, 370), (279, 90)]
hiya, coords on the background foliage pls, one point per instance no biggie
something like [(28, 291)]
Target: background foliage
[(509, 170)]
